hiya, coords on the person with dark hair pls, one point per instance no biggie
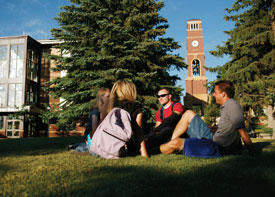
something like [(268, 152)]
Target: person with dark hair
[(230, 131), (168, 106), (227, 87), (166, 119)]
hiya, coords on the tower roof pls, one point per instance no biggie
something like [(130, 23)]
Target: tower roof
[(194, 20)]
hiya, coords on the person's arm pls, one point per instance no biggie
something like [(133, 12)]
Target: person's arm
[(88, 128), (95, 122), (177, 112), (157, 124), (178, 109), (157, 119), (246, 140), (213, 129), (143, 150), (139, 119), (104, 110), (236, 114), (171, 121), (91, 126)]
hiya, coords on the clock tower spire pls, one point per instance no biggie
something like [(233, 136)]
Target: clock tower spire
[(196, 92)]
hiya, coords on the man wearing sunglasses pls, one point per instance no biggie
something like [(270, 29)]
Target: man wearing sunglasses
[(166, 119), (168, 106), (202, 143)]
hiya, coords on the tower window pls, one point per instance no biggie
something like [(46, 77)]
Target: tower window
[(194, 26), (196, 67)]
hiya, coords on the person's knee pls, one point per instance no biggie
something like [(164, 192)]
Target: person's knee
[(177, 144), (189, 115), (172, 146)]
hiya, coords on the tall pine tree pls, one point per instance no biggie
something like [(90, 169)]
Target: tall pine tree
[(106, 40), (251, 47)]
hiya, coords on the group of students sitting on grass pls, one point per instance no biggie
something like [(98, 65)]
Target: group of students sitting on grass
[(115, 129)]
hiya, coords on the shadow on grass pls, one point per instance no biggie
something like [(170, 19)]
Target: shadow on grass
[(228, 176), (236, 175), (261, 145), (36, 146)]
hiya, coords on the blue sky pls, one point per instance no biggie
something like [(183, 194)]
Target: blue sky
[(35, 18)]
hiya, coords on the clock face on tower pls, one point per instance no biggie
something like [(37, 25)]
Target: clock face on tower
[(195, 43)]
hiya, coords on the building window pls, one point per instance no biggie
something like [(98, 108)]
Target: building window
[(194, 26), (2, 95), (30, 125), (16, 61), (32, 67), (196, 67), (31, 94), (1, 122), (13, 127), (15, 95), (3, 61)]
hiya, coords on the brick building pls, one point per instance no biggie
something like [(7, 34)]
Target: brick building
[(196, 92)]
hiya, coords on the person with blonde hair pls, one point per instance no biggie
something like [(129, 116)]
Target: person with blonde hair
[(123, 95), (122, 91), (98, 112)]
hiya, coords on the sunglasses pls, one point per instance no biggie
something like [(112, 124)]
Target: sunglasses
[(162, 95)]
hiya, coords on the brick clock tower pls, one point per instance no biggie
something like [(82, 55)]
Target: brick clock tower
[(196, 92)]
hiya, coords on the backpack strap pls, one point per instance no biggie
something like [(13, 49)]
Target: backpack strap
[(134, 107), (161, 110), (173, 106), (161, 113)]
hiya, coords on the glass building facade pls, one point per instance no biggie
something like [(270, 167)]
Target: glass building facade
[(21, 96)]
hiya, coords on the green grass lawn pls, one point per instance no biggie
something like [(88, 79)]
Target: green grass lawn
[(43, 167)]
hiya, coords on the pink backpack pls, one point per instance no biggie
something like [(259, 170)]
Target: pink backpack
[(110, 137)]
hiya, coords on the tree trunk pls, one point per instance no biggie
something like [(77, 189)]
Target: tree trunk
[(273, 19)]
